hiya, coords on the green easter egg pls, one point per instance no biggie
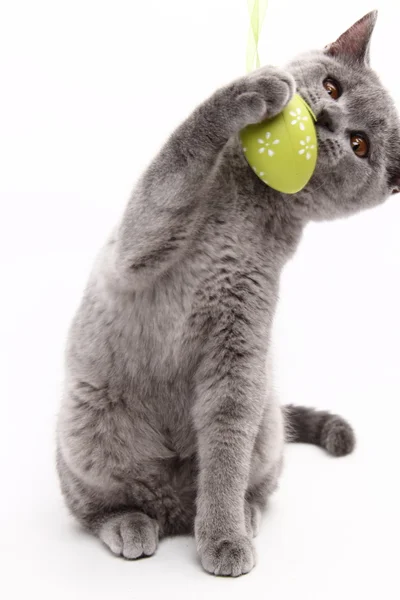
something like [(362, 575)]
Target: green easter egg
[(282, 151)]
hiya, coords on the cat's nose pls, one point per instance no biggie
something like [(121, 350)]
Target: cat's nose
[(328, 120)]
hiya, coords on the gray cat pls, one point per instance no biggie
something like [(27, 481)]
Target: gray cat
[(169, 423)]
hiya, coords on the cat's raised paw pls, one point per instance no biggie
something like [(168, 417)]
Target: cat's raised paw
[(229, 557), (131, 535), (265, 93)]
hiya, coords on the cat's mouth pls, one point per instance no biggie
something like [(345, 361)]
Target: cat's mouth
[(329, 150), (310, 99)]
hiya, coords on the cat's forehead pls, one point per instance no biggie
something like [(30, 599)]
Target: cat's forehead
[(365, 97), (353, 77), (367, 105), (362, 87)]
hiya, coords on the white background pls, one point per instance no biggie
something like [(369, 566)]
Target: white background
[(88, 93)]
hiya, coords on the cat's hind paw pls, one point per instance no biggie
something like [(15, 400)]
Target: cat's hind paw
[(252, 515), (131, 535)]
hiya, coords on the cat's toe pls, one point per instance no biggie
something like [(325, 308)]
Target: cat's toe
[(229, 557), (131, 535), (276, 86)]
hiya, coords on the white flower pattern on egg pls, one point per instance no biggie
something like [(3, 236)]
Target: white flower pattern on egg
[(306, 147), (267, 143), (260, 174), (298, 118)]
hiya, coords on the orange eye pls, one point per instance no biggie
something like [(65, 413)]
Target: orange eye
[(359, 144), (332, 87)]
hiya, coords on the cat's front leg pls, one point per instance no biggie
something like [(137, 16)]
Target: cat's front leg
[(227, 417), (259, 95), (168, 203)]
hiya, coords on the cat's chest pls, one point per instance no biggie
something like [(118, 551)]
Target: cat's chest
[(229, 274), (238, 253), (156, 328)]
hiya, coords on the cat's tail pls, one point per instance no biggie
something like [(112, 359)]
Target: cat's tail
[(318, 427)]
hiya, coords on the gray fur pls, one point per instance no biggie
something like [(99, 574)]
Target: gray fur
[(169, 423)]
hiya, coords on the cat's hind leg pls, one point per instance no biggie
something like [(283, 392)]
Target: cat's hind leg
[(123, 527), (252, 516), (130, 534)]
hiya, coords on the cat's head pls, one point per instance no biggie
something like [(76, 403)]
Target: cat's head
[(357, 125)]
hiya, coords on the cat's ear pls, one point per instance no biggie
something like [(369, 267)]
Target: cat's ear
[(354, 43)]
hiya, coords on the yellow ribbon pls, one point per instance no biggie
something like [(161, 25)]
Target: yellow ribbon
[(257, 10)]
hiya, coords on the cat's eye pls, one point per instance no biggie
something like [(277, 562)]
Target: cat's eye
[(359, 144), (332, 87)]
